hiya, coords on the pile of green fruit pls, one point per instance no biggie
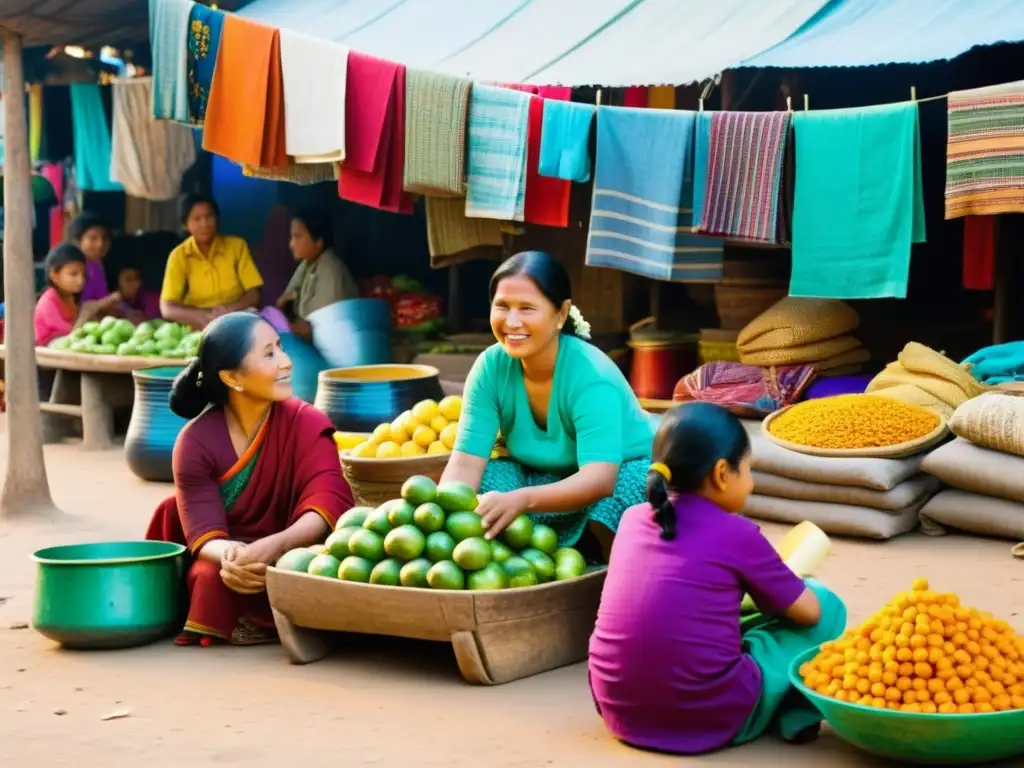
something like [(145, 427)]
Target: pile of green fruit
[(118, 336), (432, 538)]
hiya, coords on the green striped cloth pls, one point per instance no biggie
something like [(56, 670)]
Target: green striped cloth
[(436, 107)]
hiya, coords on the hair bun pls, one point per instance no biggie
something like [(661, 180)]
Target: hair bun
[(188, 396)]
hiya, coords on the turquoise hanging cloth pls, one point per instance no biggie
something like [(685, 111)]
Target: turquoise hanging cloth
[(92, 139), (169, 37)]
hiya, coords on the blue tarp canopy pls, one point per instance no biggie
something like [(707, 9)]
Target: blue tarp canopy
[(645, 42)]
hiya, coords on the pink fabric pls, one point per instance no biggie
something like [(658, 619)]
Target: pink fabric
[(374, 135), (547, 198), (51, 318), (557, 92), (54, 173)]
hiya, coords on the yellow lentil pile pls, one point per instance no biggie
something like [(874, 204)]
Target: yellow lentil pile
[(847, 422), (924, 652)]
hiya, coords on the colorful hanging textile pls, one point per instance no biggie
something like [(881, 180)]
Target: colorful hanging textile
[(859, 202), (435, 133), (54, 173), (204, 32), (303, 174), (635, 96), (641, 217), (661, 97), (701, 159), (452, 237), (148, 157), (979, 252), (499, 121), (746, 390), (245, 110), (92, 139), (547, 199), (35, 121), (374, 135), (744, 177), (565, 140), (985, 151), (556, 92), (169, 35), (314, 104)]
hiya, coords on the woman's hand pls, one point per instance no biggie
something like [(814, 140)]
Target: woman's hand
[(245, 579), (498, 510), (263, 552)]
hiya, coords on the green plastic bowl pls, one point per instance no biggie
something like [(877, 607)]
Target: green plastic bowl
[(915, 738), (108, 595)]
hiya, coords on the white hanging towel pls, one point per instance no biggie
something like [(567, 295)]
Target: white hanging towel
[(147, 156), (314, 74)]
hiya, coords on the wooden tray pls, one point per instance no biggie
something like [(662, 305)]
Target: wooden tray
[(900, 451), (497, 636)]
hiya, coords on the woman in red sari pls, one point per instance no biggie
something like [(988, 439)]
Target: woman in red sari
[(256, 473)]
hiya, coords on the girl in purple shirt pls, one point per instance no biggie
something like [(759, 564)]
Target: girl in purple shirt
[(92, 237), (670, 669)]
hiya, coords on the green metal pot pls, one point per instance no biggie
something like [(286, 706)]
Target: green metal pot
[(108, 595)]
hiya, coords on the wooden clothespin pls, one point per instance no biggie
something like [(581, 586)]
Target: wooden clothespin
[(597, 101), (913, 93), (789, 103), (700, 105), (807, 102)]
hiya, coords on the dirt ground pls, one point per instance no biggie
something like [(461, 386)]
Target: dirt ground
[(381, 702)]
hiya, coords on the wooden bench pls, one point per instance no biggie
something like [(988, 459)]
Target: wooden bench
[(89, 388)]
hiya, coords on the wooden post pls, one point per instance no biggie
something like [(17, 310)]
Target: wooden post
[(26, 489)]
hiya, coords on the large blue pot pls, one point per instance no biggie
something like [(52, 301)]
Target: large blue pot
[(153, 428), (353, 332), (358, 399), (307, 363)]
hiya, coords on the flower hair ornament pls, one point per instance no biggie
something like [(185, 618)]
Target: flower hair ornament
[(581, 326)]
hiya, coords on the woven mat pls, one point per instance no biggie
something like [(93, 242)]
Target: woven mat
[(435, 133)]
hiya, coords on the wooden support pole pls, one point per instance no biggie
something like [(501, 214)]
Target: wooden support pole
[(26, 490)]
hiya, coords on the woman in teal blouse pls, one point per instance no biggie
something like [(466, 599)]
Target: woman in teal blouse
[(579, 443)]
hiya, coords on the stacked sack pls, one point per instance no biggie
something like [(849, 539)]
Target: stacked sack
[(796, 331), (922, 376), (862, 497), (984, 467)]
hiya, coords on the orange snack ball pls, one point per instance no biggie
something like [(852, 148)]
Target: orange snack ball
[(926, 653)]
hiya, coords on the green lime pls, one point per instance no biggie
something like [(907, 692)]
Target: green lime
[(544, 538), (127, 349), (541, 563), (414, 573), (440, 546), (367, 544), (107, 322), (518, 533), (491, 576), (319, 549), (569, 564), (355, 516), (406, 542), (354, 568), (500, 552), (324, 565), (386, 572), (472, 554), (377, 520), (419, 489), (456, 497), (337, 542), (91, 328), (520, 572), (464, 525), (446, 575), (295, 560), (429, 517), (400, 513)]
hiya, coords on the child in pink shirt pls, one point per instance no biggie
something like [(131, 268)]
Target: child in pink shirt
[(58, 311)]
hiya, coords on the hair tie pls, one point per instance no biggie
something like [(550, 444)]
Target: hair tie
[(199, 380), (662, 470)]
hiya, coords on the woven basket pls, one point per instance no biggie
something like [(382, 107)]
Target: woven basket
[(738, 304), (375, 481), (900, 451)]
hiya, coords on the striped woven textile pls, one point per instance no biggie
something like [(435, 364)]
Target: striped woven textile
[(499, 120), (435, 133), (744, 177), (985, 151)]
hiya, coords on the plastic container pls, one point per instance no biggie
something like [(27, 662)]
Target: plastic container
[(153, 429), (358, 399), (353, 332), (804, 549), (919, 739)]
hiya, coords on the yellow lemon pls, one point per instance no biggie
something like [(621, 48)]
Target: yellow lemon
[(424, 436), (349, 439), (448, 435), (401, 427), (451, 407), (382, 433), (389, 450), (437, 448), (411, 449), (424, 411), (367, 450), (438, 423)]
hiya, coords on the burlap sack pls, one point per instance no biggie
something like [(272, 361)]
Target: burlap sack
[(970, 467), (793, 322), (840, 351), (839, 519), (973, 513), (924, 377), (876, 474), (902, 496), (993, 421)]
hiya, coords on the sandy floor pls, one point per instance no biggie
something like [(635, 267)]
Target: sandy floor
[(383, 702)]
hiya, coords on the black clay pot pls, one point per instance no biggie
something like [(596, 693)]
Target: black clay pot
[(153, 429), (358, 399)]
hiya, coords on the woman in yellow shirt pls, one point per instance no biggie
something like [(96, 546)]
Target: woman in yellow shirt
[(209, 274)]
